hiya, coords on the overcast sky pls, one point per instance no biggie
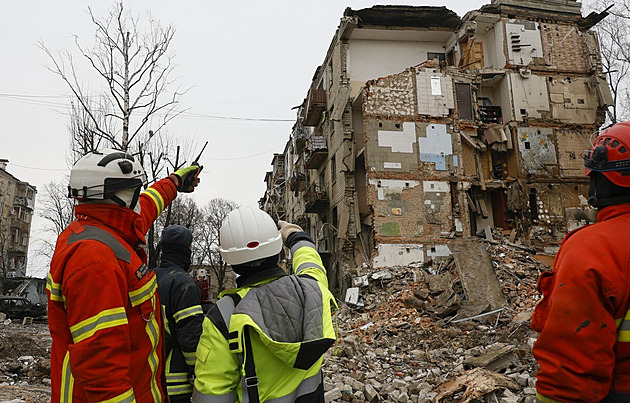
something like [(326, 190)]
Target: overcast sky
[(244, 59)]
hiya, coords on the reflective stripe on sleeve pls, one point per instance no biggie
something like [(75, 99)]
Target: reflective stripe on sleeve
[(187, 312), (308, 265), (623, 328), (67, 380), (179, 389), (174, 377), (143, 293), (199, 397), (126, 397), (103, 320), (300, 245), (190, 357), (157, 199), (55, 289), (308, 385)]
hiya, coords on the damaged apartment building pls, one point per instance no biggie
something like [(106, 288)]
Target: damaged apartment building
[(421, 126)]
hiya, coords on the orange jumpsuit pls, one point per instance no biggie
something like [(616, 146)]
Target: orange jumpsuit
[(584, 318), (103, 308)]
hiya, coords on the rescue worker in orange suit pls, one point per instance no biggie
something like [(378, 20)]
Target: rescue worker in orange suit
[(181, 303), (103, 307), (584, 318)]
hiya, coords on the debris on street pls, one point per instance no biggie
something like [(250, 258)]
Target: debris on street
[(419, 339), (24, 362), (410, 334)]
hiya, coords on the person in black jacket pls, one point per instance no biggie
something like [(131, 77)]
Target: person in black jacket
[(180, 297)]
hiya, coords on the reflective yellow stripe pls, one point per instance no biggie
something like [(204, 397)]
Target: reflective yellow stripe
[(187, 312), (55, 289), (126, 397), (190, 357), (103, 320), (177, 377), (67, 380), (143, 293), (157, 199), (623, 328), (153, 332), (179, 389)]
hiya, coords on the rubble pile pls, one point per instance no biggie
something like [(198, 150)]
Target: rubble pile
[(405, 338), (24, 362)]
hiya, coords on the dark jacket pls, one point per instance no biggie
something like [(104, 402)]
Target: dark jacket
[(183, 314)]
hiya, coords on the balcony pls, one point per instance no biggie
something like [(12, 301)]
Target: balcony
[(315, 199), (299, 137), (490, 114), (316, 152), (20, 201), (315, 106), (297, 183)]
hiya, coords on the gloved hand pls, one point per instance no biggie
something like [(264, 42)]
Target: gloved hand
[(287, 229), (186, 179)]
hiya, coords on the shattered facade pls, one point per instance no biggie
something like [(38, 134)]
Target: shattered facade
[(420, 127), (17, 203)]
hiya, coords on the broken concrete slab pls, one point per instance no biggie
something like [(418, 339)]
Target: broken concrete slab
[(497, 358), (482, 289)]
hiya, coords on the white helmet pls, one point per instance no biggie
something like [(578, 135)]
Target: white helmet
[(107, 174), (248, 234)]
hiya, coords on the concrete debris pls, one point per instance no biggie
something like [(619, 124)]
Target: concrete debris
[(25, 362), (407, 345), (411, 341), (382, 275), (475, 384)]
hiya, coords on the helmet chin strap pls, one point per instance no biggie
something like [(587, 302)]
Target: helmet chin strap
[(133, 204)]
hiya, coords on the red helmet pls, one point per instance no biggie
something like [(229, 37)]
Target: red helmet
[(610, 154)]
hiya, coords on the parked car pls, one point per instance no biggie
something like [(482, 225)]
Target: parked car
[(19, 307)]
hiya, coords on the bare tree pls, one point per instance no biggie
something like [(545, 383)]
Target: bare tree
[(614, 36), (207, 238), (137, 96), (58, 211), (131, 56)]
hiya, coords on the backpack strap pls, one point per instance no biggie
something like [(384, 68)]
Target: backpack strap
[(251, 380), (219, 314)]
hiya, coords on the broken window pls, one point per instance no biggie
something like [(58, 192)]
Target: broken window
[(489, 113), (464, 101), (450, 58)]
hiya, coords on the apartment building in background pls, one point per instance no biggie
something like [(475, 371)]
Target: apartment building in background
[(17, 205), (421, 126)]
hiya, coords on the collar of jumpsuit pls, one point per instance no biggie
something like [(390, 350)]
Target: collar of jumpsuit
[(613, 211)]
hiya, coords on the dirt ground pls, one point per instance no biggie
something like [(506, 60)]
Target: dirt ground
[(24, 362)]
